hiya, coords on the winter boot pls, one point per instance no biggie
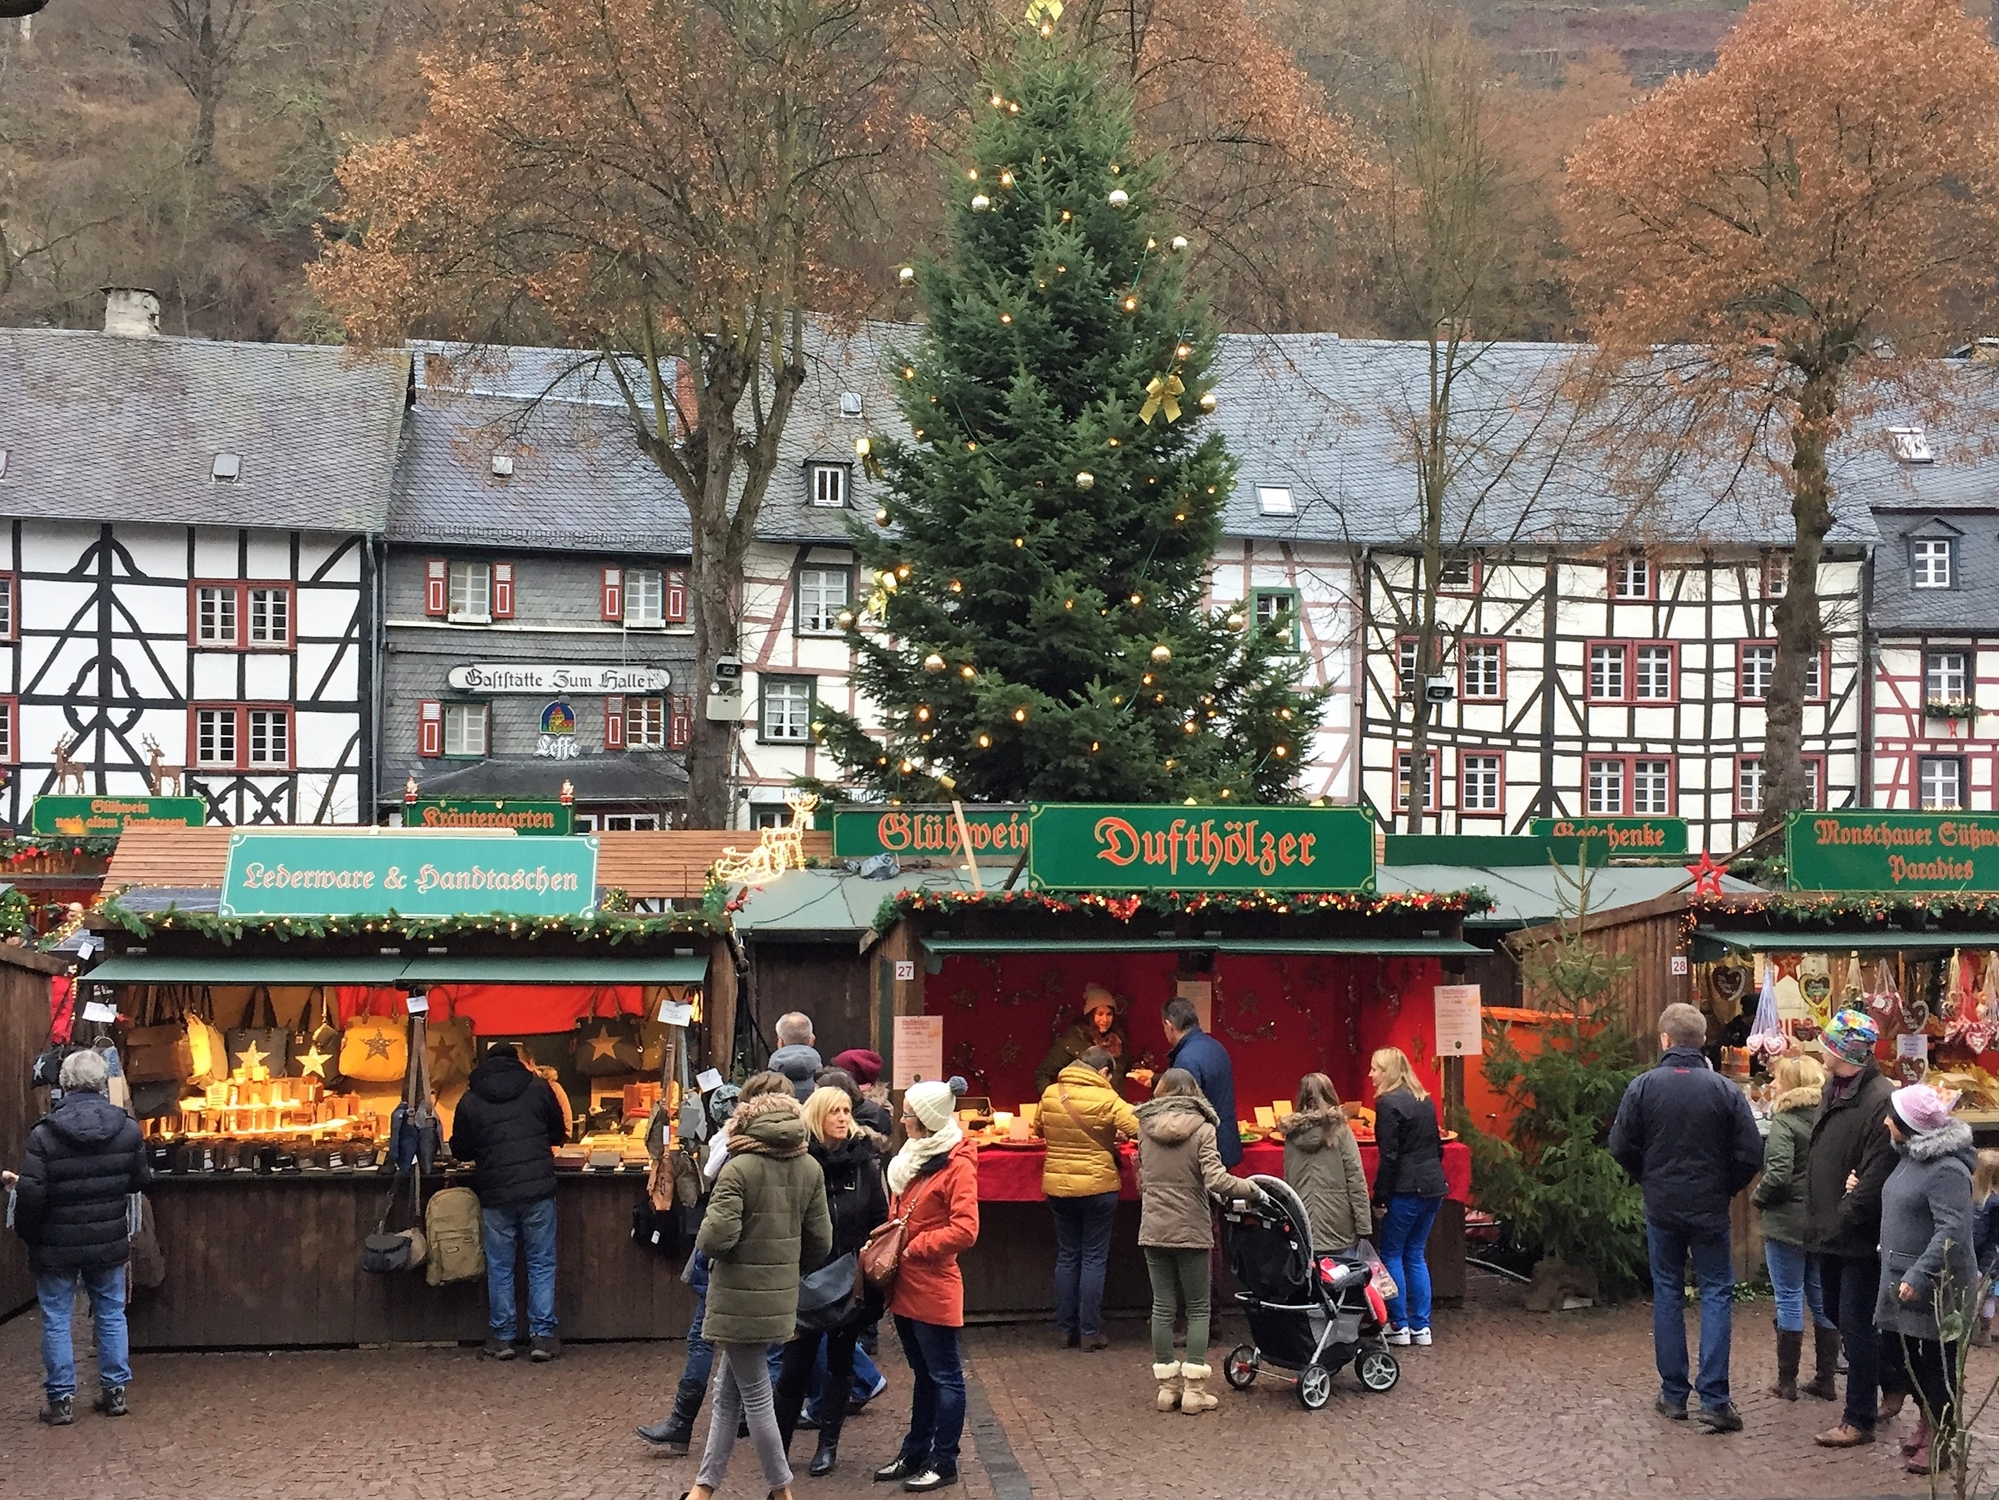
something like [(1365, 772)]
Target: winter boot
[(1790, 1349), (676, 1433), (1824, 1383), (1194, 1397), (1168, 1376)]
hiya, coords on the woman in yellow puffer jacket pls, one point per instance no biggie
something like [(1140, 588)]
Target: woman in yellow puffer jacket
[(1082, 1118)]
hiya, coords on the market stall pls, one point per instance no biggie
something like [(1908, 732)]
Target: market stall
[(270, 1023)]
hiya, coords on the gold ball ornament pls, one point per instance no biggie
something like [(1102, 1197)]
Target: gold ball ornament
[(844, 619), (933, 663), (980, 203), (1162, 653), (1179, 242), (1235, 620), (1208, 401), (906, 275), (1085, 480), (1118, 198)]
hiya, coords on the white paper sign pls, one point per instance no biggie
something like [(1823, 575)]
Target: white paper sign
[(1679, 963), (676, 1012), (100, 1010), (919, 1049), (1202, 993), (905, 970), (419, 1005), (1914, 1044), (707, 1079), (1459, 1033)]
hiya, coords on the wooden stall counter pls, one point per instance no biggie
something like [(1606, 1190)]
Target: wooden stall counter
[(275, 1262)]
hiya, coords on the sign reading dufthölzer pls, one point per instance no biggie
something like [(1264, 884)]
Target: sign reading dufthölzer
[(999, 832), (412, 873), (1619, 835), (80, 817), (523, 815), (1859, 850), (1091, 847)]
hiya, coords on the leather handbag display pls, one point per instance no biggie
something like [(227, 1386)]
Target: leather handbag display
[(415, 1136), (316, 1047), (605, 1046), (157, 1047), (375, 1049), (260, 1042), (388, 1250), (448, 1050)]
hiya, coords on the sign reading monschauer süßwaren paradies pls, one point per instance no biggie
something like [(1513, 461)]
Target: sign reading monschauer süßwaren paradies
[(1857, 850), (548, 677), (364, 872)]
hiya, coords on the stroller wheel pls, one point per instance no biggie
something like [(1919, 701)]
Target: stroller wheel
[(1315, 1386), (1239, 1369), (1377, 1369)]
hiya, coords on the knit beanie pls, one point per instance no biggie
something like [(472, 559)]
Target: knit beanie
[(865, 1066), (1920, 1108), (933, 1103), (1850, 1036)]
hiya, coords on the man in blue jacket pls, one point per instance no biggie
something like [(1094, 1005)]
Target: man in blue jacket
[(1206, 1058), (1686, 1135)]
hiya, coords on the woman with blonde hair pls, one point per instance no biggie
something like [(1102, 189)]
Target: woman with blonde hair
[(1794, 1275), (1322, 1161), (1408, 1188)]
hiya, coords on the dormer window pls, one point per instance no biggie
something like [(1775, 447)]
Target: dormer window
[(1930, 562), (1275, 500), (850, 405), (1631, 577), (227, 469), (1912, 445), (826, 485)]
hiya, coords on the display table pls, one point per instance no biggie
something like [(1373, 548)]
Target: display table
[(1012, 1174)]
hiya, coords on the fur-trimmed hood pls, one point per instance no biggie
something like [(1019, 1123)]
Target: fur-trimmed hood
[(768, 1125), (1804, 1098), (1313, 1129), (1953, 1139), (1173, 1119)]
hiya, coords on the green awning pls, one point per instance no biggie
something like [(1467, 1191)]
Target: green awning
[(1423, 947), (447, 969), (977, 946), (1381, 947), (140, 968), (1765, 940)]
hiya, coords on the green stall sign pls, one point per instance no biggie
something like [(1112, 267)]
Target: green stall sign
[(1618, 835), (360, 873), (81, 817), (523, 815), (998, 832), (1094, 847), (1857, 850)]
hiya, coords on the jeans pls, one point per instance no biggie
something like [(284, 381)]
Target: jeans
[(801, 1359), (700, 1353), (936, 1394), (56, 1291), (741, 1392), (1795, 1277), (1671, 1245), (1177, 1276), (1403, 1236), (1850, 1285), (528, 1227), (1082, 1252)]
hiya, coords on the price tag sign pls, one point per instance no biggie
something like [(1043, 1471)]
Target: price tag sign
[(419, 1005), (707, 1079), (100, 1010), (919, 1049), (676, 1012), (1459, 1032), (905, 970), (1914, 1045)]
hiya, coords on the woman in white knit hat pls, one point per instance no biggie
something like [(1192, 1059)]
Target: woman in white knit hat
[(933, 1183)]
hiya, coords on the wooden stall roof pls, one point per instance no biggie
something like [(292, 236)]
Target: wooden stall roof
[(664, 864)]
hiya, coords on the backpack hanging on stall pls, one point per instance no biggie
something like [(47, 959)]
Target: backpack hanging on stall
[(451, 1227), (388, 1250), (260, 1042)]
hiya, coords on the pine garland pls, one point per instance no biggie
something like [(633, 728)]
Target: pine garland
[(18, 851), (1126, 906), (1918, 910), (604, 927)]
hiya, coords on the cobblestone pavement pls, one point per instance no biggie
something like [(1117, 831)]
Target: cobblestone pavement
[(1505, 1405)]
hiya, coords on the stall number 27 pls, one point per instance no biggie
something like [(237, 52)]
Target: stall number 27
[(905, 970)]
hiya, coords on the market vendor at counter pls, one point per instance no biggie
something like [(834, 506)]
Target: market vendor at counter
[(1101, 1024)]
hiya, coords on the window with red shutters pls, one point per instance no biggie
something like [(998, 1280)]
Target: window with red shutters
[(436, 588), (614, 594), (676, 596), (503, 591), (614, 723), (680, 726), (430, 728)]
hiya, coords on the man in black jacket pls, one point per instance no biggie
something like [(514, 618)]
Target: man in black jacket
[(85, 1159), (1687, 1136), (508, 1126), (1851, 1157)]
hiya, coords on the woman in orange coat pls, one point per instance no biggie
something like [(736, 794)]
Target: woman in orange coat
[(933, 1182)]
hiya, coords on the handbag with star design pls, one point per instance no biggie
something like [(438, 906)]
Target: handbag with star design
[(316, 1046), (448, 1048), (606, 1045), (375, 1049), (260, 1042)]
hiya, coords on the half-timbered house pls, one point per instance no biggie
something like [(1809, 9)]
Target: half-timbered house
[(187, 579)]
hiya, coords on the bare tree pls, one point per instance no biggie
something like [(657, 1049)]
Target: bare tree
[(202, 44)]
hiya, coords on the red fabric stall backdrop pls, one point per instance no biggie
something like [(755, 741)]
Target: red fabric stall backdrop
[(1279, 1017), (503, 1009)]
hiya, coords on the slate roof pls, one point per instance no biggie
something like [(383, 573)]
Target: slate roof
[(1970, 606), (103, 427)]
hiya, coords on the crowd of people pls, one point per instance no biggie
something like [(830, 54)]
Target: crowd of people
[(1877, 1216)]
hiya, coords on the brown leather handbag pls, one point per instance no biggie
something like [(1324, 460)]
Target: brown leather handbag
[(881, 1252)]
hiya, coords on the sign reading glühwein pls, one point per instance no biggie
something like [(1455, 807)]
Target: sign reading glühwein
[(998, 832), (523, 815), (1092, 847), (1619, 835), (80, 817), (415, 874), (1859, 850)]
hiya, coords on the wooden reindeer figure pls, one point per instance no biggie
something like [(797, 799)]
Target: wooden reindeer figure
[(159, 773), (67, 770)]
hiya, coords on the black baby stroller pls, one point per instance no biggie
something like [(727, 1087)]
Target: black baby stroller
[(1308, 1313)]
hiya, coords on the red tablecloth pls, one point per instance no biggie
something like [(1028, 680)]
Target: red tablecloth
[(1012, 1174)]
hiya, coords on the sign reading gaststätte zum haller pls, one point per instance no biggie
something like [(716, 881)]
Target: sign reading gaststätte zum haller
[(1859, 850), (1094, 847)]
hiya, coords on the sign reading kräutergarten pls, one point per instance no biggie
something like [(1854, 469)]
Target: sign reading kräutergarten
[(1093, 847), (547, 678), (410, 872), (1854, 850)]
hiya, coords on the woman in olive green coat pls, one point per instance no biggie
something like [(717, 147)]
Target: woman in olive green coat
[(1780, 1195), (766, 1222), (1322, 1161)]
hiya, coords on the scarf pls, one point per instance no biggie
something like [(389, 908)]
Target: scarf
[(918, 1152)]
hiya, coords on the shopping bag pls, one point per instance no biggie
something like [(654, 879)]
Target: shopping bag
[(1383, 1282)]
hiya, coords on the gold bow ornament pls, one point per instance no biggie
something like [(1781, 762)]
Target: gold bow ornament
[(1162, 393), (864, 450)]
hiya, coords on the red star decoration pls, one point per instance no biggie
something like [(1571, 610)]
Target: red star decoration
[(1707, 876)]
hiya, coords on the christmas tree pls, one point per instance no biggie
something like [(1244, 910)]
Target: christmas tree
[(1034, 625)]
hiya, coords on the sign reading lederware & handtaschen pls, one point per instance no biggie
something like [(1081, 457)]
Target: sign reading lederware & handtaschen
[(412, 873)]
